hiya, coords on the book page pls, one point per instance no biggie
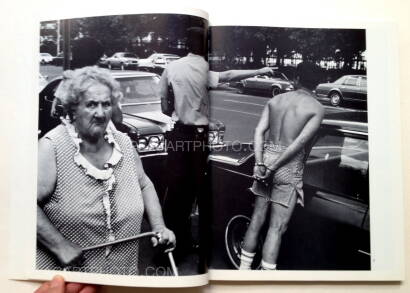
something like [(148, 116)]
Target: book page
[(325, 217), (99, 214)]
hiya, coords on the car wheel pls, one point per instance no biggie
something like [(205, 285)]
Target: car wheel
[(275, 91), (109, 66), (122, 66), (335, 99), (234, 234), (241, 89)]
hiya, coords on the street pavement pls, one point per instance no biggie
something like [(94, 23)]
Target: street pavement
[(240, 113)]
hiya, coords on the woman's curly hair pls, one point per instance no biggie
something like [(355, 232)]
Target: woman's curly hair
[(76, 82)]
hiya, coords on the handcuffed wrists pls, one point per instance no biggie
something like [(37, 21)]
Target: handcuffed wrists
[(270, 168)]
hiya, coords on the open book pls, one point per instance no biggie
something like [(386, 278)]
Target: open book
[(323, 225)]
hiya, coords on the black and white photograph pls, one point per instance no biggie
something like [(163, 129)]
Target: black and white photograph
[(113, 197), (169, 147), (221, 147), (290, 187)]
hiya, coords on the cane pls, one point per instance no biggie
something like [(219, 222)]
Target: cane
[(135, 237)]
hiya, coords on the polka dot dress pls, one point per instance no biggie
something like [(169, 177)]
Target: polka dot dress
[(78, 208)]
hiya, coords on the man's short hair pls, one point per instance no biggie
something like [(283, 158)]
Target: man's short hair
[(86, 51), (309, 74), (197, 40)]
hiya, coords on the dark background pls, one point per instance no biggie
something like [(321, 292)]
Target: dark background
[(141, 34), (338, 51)]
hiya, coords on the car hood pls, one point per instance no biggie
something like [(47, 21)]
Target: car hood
[(234, 154), (159, 122), (148, 122)]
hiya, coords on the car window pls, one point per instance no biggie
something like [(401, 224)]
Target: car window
[(340, 80), (279, 75), (170, 59), (139, 89), (130, 55), (339, 164), (261, 76), (350, 81)]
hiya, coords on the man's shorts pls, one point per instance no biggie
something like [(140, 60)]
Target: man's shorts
[(285, 181)]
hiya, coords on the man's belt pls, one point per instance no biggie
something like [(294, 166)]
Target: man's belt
[(186, 128)]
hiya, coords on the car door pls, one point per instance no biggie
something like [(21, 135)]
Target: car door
[(116, 60), (261, 83), (253, 83), (349, 88), (362, 89), (336, 177)]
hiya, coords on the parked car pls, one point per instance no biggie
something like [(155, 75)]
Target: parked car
[(143, 120), (347, 88), (45, 58), (58, 60), (121, 60), (156, 62), (336, 187), (268, 85)]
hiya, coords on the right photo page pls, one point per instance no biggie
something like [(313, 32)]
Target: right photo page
[(290, 184)]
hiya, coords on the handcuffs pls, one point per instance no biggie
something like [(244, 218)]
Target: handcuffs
[(262, 180)]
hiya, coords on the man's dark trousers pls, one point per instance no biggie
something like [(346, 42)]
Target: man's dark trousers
[(187, 181)]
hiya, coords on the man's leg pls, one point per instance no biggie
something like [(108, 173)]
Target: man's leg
[(203, 195), (251, 237), (279, 219), (180, 195)]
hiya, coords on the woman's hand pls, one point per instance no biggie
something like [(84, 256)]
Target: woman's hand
[(166, 237), (57, 285), (69, 254)]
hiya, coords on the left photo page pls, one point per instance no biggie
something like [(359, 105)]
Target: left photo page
[(104, 202)]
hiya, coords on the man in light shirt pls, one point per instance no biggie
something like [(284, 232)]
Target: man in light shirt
[(184, 89)]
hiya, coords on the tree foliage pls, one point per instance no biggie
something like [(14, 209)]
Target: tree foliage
[(263, 42), (140, 34), (147, 33)]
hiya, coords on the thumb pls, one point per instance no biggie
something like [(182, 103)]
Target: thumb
[(154, 241), (57, 285), (266, 175)]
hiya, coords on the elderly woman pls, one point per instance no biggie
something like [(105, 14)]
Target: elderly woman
[(91, 184)]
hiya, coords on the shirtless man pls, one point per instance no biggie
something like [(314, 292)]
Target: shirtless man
[(291, 120)]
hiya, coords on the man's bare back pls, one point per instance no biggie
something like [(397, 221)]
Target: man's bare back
[(288, 115), (290, 120)]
